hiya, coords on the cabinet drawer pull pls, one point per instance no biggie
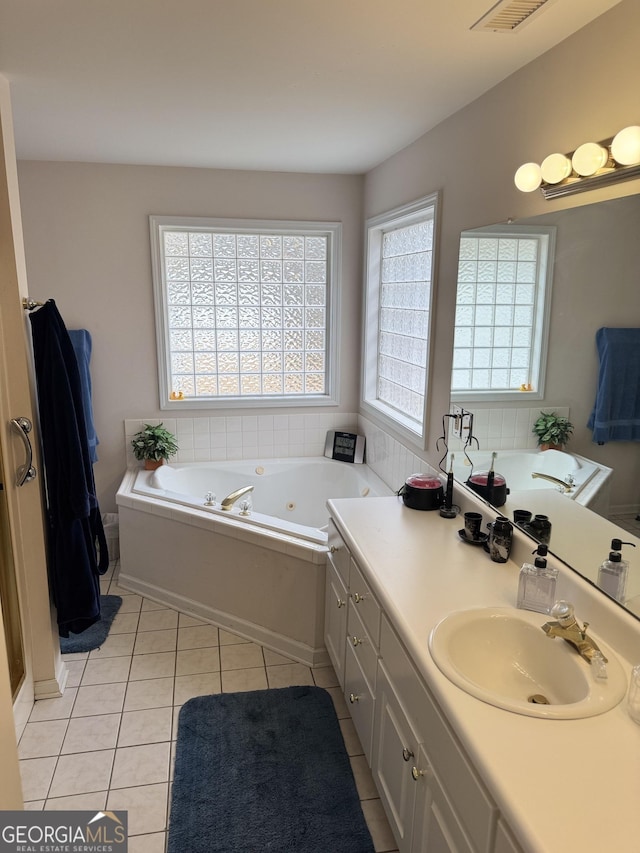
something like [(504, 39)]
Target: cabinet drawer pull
[(334, 548), (356, 641), (340, 603), (407, 754), (353, 698), (357, 598), (416, 774)]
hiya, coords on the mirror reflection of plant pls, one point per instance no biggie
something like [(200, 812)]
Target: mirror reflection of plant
[(551, 428), (154, 442)]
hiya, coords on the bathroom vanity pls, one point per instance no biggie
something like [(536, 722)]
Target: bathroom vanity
[(455, 773)]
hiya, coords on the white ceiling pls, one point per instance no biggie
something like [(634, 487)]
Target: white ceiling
[(292, 85)]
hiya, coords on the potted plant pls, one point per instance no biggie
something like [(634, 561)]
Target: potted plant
[(153, 445), (552, 430)]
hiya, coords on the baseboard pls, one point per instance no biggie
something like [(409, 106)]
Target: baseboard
[(247, 630), (624, 509), (52, 688)]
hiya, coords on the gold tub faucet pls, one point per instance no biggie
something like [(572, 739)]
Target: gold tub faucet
[(565, 485), (229, 501)]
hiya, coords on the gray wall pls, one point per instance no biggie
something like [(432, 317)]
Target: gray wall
[(86, 228), (87, 246), (566, 97)]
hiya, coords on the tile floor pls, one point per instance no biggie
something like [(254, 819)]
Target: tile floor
[(629, 522), (109, 741)]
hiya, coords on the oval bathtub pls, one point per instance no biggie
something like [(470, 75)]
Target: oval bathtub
[(261, 575)]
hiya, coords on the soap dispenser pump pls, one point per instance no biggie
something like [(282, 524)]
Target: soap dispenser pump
[(537, 583), (612, 575)]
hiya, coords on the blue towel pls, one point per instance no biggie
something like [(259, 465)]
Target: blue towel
[(81, 340), (616, 411)]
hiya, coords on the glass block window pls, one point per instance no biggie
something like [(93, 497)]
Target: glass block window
[(399, 296), (244, 313), (501, 309)]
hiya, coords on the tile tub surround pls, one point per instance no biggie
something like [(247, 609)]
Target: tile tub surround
[(208, 439), (391, 460), (504, 429), (109, 742)]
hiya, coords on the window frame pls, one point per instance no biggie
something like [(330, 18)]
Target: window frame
[(423, 208), (331, 230), (542, 314)]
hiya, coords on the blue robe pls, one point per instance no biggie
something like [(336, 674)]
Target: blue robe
[(77, 547)]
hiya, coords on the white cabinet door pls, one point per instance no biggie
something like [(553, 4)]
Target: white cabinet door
[(394, 755), (435, 827), (335, 620)]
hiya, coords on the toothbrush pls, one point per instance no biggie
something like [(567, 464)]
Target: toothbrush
[(491, 476), (448, 500)]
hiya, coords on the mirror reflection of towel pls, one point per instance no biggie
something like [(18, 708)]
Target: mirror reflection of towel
[(616, 411), (81, 340)]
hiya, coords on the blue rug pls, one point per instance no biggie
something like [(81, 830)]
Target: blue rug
[(96, 634), (264, 771)]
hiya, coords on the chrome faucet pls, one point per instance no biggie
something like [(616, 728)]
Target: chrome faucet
[(568, 629), (229, 501), (565, 485)]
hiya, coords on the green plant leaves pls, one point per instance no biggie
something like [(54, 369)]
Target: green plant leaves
[(154, 442), (552, 428)]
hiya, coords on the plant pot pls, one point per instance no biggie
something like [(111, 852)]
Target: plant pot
[(551, 447), (152, 464)]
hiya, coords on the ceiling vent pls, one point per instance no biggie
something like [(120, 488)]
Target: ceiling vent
[(507, 16)]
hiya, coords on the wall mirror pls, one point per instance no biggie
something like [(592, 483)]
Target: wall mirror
[(596, 282)]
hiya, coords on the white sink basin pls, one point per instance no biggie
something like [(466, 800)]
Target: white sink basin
[(501, 656)]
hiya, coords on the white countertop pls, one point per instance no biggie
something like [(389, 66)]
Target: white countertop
[(560, 784)]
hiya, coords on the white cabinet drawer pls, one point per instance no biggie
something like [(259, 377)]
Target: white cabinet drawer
[(339, 554), (477, 812), (360, 700), (335, 620), (365, 603), (363, 648)]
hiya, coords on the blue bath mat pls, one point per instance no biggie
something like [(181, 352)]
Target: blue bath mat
[(261, 771), (96, 634)]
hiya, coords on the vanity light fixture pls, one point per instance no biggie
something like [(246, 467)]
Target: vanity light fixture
[(555, 168), (589, 158), (528, 177), (591, 165), (625, 146)]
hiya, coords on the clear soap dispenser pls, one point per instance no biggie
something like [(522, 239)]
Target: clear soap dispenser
[(612, 575), (537, 584)]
